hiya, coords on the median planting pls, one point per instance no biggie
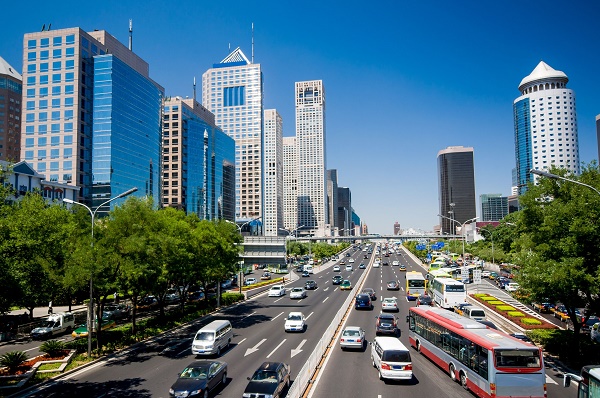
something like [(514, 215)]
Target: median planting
[(509, 312)]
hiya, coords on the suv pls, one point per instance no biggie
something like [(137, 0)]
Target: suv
[(270, 379), (363, 301), (386, 324)]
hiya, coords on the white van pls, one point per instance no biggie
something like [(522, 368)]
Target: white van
[(391, 358), (212, 338), (309, 269), (62, 322), (475, 313)]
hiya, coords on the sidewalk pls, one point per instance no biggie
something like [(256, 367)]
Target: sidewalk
[(42, 312)]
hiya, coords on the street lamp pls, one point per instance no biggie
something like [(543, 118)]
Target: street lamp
[(557, 177), (93, 214), (461, 230)]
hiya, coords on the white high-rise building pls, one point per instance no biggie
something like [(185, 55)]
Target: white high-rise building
[(312, 165), (233, 91), (273, 154), (545, 124), (290, 184)]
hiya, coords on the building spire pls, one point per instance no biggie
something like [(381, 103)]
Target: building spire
[(130, 35)]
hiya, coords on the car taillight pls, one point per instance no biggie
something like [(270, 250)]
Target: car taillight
[(358, 340), (342, 339), (385, 366), (408, 367)]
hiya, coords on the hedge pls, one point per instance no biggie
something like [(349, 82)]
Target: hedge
[(497, 302), (531, 321), (504, 307), (515, 313), (488, 298)]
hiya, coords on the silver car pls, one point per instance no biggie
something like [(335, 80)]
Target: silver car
[(352, 337), (297, 293)]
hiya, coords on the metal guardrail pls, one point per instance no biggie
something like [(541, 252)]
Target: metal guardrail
[(304, 376)]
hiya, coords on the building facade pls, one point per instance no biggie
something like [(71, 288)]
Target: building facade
[(11, 91), (233, 91), (290, 184), (456, 177), (23, 179), (273, 167), (545, 122), (397, 229), (494, 207), (312, 162), (344, 211), (332, 200), (198, 164)]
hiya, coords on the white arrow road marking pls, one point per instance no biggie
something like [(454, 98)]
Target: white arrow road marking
[(326, 298), (275, 349), (277, 316), (549, 380), (326, 289), (255, 348), (309, 315), (298, 349)]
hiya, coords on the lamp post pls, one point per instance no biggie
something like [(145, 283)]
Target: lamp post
[(91, 308), (461, 230), (557, 177), (241, 277)]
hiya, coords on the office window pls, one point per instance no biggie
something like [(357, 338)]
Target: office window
[(31, 93), (68, 140), (31, 68), (29, 130), (69, 76), (56, 78), (41, 167), (67, 152), (43, 116), (69, 89), (56, 65), (68, 127), (42, 129), (67, 165), (44, 79), (69, 101), (56, 90), (57, 41), (70, 51), (31, 43), (68, 114), (31, 80), (54, 167), (43, 104), (43, 92), (30, 105), (31, 56), (53, 177), (44, 54), (55, 115), (42, 141), (45, 42), (41, 154), (55, 128), (29, 155), (54, 153), (57, 53), (70, 39), (55, 140), (70, 64), (55, 102)]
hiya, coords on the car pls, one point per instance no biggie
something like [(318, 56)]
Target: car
[(545, 307), (305, 274), (117, 312), (365, 256), (590, 321), (336, 268), (561, 313), (460, 308), (485, 274), (342, 262), (199, 378), (370, 292), (402, 267), (375, 264), (502, 283), (393, 285), (351, 260), (300, 268), (386, 324), (489, 324), (297, 293), (511, 287), (389, 304), (424, 299), (385, 263), (521, 337), (352, 337), (337, 280), (362, 266), (147, 303), (226, 284), (349, 267), (250, 281), (346, 285), (195, 296), (265, 276), (271, 379), (310, 285), (295, 322), (172, 296), (82, 331), (493, 275), (276, 291), (396, 263), (363, 301)]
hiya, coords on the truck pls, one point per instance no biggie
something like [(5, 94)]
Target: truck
[(62, 322)]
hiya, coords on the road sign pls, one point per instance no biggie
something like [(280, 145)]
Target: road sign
[(477, 276), (464, 273)]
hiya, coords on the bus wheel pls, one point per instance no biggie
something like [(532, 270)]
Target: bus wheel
[(452, 372), (463, 380)]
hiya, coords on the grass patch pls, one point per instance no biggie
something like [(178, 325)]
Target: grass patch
[(49, 366)]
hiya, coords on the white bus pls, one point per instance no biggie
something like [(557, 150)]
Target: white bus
[(448, 292), (431, 275)]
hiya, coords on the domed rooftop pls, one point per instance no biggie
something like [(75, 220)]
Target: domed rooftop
[(6, 69), (543, 71)]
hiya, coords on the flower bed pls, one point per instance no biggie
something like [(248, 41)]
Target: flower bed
[(509, 312)]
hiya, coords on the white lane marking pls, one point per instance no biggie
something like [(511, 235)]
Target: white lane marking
[(280, 298), (277, 316), (298, 349), (326, 298), (31, 349), (326, 289), (255, 348), (248, 315), (309, 315), (275, 349), (241, 341)]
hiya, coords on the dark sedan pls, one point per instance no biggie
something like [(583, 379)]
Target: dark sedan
[(337, 280), (424, 300), (199, 378), (370, 292), (310, 285), (363, 301), (271, 379)]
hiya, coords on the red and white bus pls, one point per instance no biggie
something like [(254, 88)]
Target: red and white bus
[(486, 361)]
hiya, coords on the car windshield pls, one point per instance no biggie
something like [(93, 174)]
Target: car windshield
[(389, 300), (517, 358), (297, 289), (196, 372), (265, 376), (205, 336), (49, 324), (352, 333), (294, 317), (396, 356), (275, 288)]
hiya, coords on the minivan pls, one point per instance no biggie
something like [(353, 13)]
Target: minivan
[(309, 269), (391, 358), (473, 312), (212, 338)]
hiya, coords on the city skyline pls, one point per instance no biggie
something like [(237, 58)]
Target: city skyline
[(400, 83)]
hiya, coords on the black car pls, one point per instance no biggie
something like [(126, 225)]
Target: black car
[(310, 285), (117, 311), (424, 300), (363, 300), (385, 263), (386, 324), (270, 379), (337, 280), (370, 292), (199, 377), (305, 274)]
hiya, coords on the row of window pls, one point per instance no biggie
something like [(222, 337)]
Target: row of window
[(45, 42), (54, 128), (43, 141), (42, 154), (43, 116), (43, 104), (45, 79), (56, 66), (56, 90), (54, 166), (45, 54)]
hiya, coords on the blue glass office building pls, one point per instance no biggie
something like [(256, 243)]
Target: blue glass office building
[(126, 131)]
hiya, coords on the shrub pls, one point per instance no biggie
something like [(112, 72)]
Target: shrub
[(505, 307), (53, 348), (488, 298), (517, 314), (230, 298), (531, 321), (496, 302), (480, 295), (12, 360)]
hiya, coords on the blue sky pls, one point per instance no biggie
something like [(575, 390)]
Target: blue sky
[(402, 79)]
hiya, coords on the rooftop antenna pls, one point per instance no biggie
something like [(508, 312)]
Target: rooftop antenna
[(43, 27), (252, 42), (229, 47), (194, 88), (49, 26), (130, 35)]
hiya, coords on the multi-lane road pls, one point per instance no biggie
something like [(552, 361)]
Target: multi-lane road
[(149, 369)]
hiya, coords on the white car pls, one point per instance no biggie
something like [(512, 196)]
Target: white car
[(351, 260), (295, 322), (349, 267), (389, 304), (336, 268), (511, 287), (250, 281), (297, 293), (352, 337), (396, 262), (485, 274), (276, 291), (376, 264)]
